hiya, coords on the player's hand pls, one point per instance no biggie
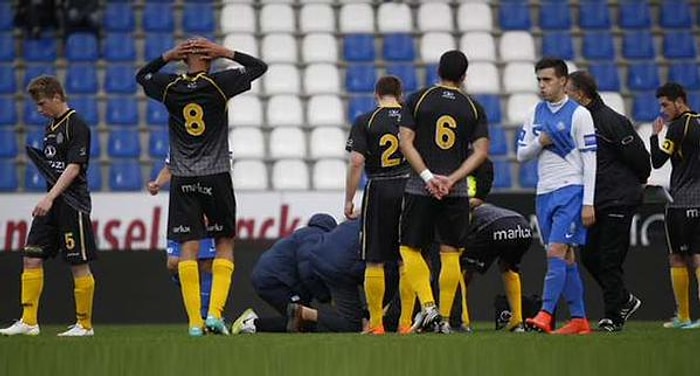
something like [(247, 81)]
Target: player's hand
[(350, 212), (545, 139), (209, 49), (437, 187), (588, 215), (153, 188), (178, 52), (43, 207), (657, 126)]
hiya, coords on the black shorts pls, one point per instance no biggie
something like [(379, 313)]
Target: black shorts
[(381, 210), (194, 197), (683, 230), (62, 229), (507, 239), (425, 219)]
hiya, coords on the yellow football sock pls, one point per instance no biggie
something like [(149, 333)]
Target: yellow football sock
[(221, 270), (32, 284), (374, 293), (465, 302), (188, 271), (449, 279), (84, 290), (408, 300), (511, 283), (418, 274), (680, 282)]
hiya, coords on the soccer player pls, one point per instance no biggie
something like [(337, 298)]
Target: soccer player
[(207, 246), (682, 146), (560, 135), (201, 183), (276, 279), (623, 166), (447, 123), (58, 226), (374, 146)]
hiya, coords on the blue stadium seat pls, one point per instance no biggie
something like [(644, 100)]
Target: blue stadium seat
[(81, 78), (638, 45), (606, 75), (431, 75), (198, 18), (528, 174), (31, 115), (360, 78), (158, 18), (679, 45), (398, 47), (40, 50), (8, 143), (36, 70), (675, 15), (685, 73), (499, 141), (82, 47), (694, 100), (7, 47), (119, 47), (86, 106), (125, 175), (492, 106), (594, 15), (558, 44), (598, 46), (124, 143), (634, 15), (35, 137), (122, 110), (8, 111), (157, 43), (118, 17), (555, 15), (358, 47), (120, 79), (514, 16), (158, 144), (501, 175), (33, 180), (645, 106), (94, 176), (156, 113), (359, 105), (407, 74), (8, 176), (6, 16), (643, 76), (8, 81), (95, 146)]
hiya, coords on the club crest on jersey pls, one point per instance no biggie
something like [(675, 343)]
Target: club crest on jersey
[(50, 151), (59, 138), (448, 95), (396, 114), (192, 85), (561, 127)]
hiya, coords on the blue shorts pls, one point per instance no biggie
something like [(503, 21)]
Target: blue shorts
[(559, 216), (207, 249)]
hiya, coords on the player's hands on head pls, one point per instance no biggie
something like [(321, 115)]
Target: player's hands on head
[(350, 212), (588, 215), (153, 188), (208, 49), (658, 125), (178, 52), (43, 207)]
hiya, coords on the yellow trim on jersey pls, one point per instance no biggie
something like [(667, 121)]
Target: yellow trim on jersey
[(371, 118), (214, 84), (65, 118), (415, 110), (165, 91), (391, 106)]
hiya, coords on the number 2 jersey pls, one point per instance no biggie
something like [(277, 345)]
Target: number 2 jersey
[(198, 118), (446, 122)]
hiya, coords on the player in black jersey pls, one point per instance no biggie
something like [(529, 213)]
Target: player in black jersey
[(374, 145), (447, 123), (59, 225), (200, 165), (682, 146)]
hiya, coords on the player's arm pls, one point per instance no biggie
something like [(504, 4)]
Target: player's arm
[(586, 142), (164, 176), (232, 81), (531, 141), (632, 150), (661, 154), (357, 146), (480, 148), (154, 83)]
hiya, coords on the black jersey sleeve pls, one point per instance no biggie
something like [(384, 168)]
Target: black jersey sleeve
[(358, 136), (632, 150), (153, 82), (482, 123), (78, 141), (236, 81), (411, 104)]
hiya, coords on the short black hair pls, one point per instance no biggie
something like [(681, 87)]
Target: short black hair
[(585, 82), (672, 91), (453, 66), (388, 85), (559, 65)]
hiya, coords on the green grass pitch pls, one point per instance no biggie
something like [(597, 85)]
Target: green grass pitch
[(644, 348)]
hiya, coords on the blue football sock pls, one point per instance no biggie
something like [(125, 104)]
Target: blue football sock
[(554, 283), (573, 292), (205, 286)]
